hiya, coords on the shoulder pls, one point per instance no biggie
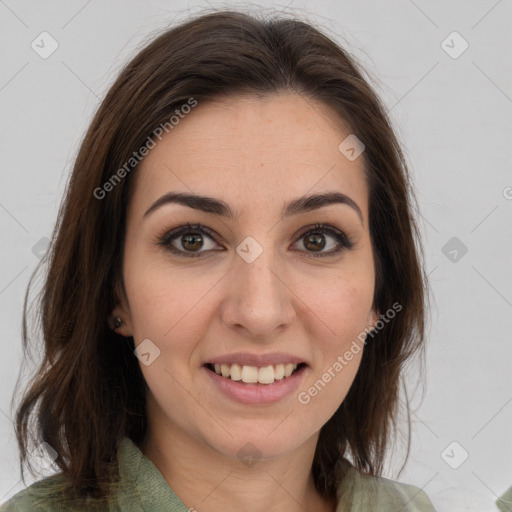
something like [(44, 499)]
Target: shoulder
[(45, 495), (504, 502), (393, 494), (378, 493), (37, 496)]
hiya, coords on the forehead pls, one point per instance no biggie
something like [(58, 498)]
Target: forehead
[(251, 150)]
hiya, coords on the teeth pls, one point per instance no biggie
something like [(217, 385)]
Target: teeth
[(236, 372), (278, 371), (253, 374), (249, 374), (288, 369), (266, 375)]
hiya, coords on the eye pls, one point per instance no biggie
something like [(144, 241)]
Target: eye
[(314, 242), (189, 240)]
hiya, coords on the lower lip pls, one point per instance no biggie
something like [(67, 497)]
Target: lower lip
[(257, 393)]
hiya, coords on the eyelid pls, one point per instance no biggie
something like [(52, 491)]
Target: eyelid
[(168, 234)]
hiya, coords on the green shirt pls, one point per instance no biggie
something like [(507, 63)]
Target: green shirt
[(143, 488), (504, 502)]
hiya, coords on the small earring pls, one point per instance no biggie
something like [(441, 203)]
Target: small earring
[(117, 323)]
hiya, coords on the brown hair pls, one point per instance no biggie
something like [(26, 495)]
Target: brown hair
[(89, 391)]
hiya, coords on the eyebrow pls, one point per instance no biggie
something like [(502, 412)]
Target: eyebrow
[(214, 206)]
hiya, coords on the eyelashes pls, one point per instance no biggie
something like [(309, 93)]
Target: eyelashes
[(197, 233)]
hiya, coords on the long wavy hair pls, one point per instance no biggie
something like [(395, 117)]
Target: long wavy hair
[(88, 390)]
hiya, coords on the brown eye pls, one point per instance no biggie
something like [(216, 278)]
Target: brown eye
[(314, 242), (188, 240), (191, 242)]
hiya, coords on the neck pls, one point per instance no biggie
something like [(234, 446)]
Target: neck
[(209, 481)]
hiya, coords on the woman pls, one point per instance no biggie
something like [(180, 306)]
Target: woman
[(234, 286)]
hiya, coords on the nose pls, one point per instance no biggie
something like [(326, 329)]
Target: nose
[(258, 302)]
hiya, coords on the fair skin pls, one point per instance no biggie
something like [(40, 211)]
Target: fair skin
[(255, 155)]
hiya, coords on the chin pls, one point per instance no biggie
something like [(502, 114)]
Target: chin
[(260, 440)]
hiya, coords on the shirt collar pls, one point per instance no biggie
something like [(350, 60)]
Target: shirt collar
[(144, 483)]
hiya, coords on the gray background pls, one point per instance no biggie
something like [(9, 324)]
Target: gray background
[(454, 118)]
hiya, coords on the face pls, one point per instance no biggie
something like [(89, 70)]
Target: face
[(254, 293)]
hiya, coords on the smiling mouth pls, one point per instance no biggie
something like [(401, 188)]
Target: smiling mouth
[(254, 374)]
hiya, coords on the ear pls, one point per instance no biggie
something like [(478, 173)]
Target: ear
[(121, 311)]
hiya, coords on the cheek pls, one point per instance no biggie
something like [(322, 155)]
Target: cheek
[(343, 313), (338, 316), (338, 305), (349, 314), (170, 307), (159, 295)]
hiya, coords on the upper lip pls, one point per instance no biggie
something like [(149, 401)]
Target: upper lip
[(245, 358)]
